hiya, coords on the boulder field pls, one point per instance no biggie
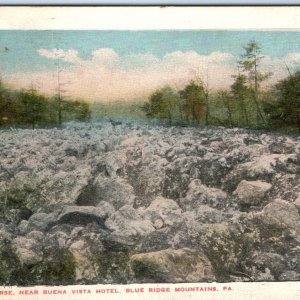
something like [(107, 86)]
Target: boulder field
[(136, 203)]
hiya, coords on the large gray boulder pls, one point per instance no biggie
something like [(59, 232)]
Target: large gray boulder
[(128, 223), (162, 212), (199, 194), (251, 192), (85, 265), (171, 265), (117, 192), (282, 214), (29, 250), (113, 190)]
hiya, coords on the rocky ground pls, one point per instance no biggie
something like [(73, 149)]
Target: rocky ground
[(130, 203)]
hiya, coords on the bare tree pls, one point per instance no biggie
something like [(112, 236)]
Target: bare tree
[(60, 91)]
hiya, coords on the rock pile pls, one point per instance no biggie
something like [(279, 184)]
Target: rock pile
[(96, 203)]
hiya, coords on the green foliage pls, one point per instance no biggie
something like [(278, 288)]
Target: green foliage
[(194, 96), (189, 105), (241, 94), (82, 111), (284, 110), (29, 107), (250, 63), (34, 108), (223, 108), (246, 103), (10, 106), (118, 110), (77, 110), (164, 104), (251, 59)]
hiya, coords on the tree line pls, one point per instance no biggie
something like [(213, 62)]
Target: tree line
[(28, 107), (246, 103)]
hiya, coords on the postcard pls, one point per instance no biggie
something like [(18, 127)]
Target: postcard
[(149, 152)]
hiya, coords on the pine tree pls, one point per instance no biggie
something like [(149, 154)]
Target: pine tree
[(250, 64)]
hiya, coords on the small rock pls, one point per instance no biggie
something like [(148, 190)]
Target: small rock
[(251, 140), (71, 150), (159, 223), (107, 207), (271, 261), (27, 250), (23, 227), (206, 214)]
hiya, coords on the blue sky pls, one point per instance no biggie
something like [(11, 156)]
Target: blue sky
[(26, 55)]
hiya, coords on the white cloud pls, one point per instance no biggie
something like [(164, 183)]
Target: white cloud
[(279, 66), (109, 76), (70, 55), (105, 57), (291, 61)]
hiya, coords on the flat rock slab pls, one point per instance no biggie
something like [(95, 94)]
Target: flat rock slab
[(82, 215)]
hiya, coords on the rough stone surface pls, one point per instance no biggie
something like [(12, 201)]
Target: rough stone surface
[(283, 214), (251, 192), (86, 268), (163, 212), (128, 222), (297, 203), (170, 265), (83, 215), (133, 202)]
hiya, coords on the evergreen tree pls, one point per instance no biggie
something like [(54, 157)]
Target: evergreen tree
[(240, 93), (284, 111), (195, 102), (228, 103), (163, 104), (34, 108)]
